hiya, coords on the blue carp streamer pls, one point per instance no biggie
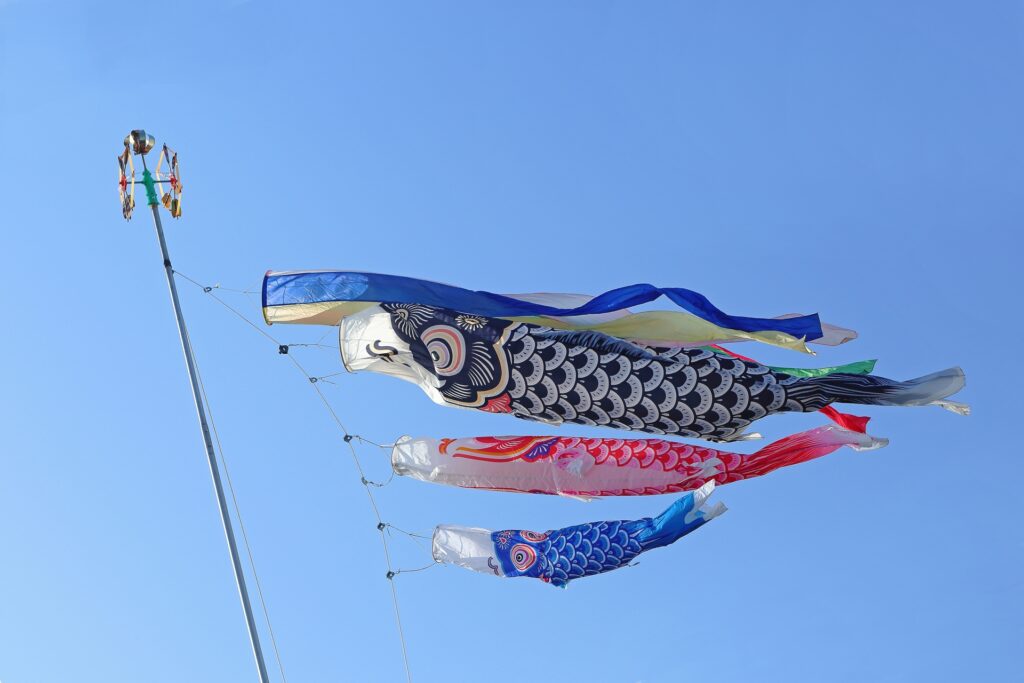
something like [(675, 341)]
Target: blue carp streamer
[(563, 555)]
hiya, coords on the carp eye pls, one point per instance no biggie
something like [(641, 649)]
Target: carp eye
[(523, 556), (447, 349), (533, 536)]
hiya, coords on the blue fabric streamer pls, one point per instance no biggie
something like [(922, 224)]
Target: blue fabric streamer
[(286, 289)]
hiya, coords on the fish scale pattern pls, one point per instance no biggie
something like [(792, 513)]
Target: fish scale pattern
[(571, 553), (539, 373), (687, 392)]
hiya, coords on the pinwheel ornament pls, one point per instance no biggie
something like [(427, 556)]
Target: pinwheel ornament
[(171, 177), (126, 181)]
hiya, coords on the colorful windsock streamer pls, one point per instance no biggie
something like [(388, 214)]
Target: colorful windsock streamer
[(555, 376), (326, 297), (563, 555), (590, 468)]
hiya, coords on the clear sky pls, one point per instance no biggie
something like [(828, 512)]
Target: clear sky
[(860, 159)]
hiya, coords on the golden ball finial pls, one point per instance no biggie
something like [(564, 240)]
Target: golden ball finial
[(140, 141)]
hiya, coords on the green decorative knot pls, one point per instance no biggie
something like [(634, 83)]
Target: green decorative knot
[(147, 180)]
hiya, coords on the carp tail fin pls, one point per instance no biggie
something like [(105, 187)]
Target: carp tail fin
[(816, 392)]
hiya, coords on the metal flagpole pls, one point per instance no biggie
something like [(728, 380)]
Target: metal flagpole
[(141, 143)]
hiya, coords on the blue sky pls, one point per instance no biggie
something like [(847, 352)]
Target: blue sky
[(860, 159)]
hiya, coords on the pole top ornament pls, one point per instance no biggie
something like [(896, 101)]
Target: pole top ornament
[(167, 175), (140, 141)]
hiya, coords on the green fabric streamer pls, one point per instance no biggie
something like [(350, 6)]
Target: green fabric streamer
[(147, 180), (861, 367)]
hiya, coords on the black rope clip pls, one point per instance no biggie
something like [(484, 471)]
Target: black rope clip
[(207, 289), (390, 575), (282, 349), (348, 437), (381, 526), (313, 380)]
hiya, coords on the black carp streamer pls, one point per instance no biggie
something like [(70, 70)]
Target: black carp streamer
[(555, 376)]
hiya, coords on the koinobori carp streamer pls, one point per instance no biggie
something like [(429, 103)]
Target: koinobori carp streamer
[(562, 555), (555, 376), (588, 468)]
